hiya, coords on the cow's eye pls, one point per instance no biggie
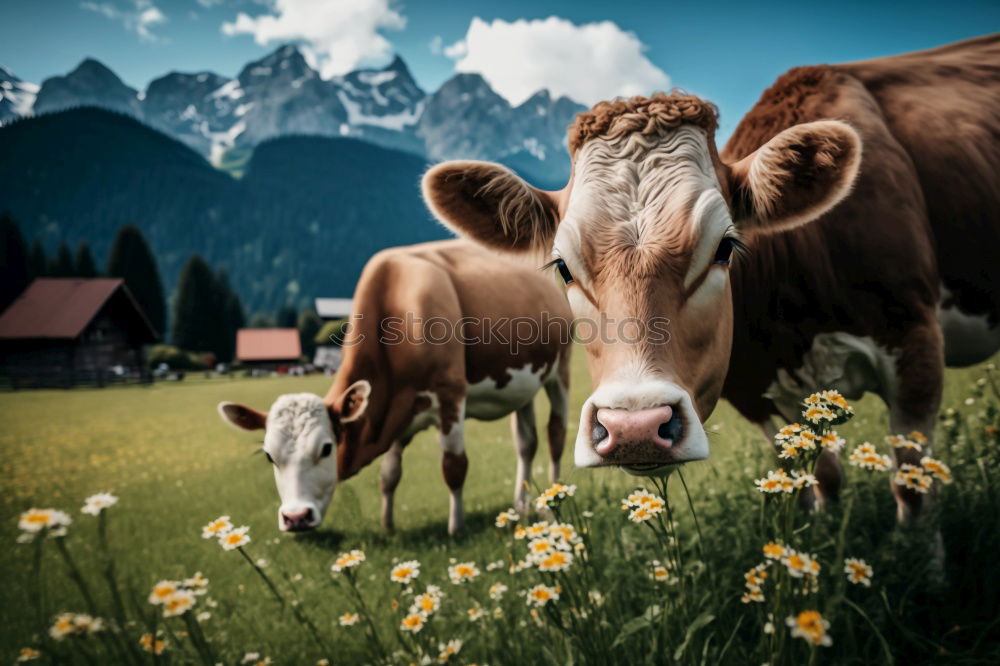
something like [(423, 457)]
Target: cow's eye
[(327, 450), (563, 271), (724, 253), (269, 458)]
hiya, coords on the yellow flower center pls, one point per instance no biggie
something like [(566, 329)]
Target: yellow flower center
[(811, 622), (37, 518), (796, 562)]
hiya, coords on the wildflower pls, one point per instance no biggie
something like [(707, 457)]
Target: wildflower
[(641, 514), (774, 550), (493, 566), (769, 627), (917, 436), (776, 481), (817, 414), (832, 442), (235, 538), (426, 603), (79, 624), (505, 517), (404, 572), (811, 627), (28, 654), (449, 649), (496, 591), (413, 622), (255, 659), (798, 564), (520, 532), (901, 442), (756, 576), (462, 572), (913, 478), (97, 503), (660, 573), (937, 469), (348, 560), (555, 561), (162, 591), (36, 520), (553, 495), (203, 616), (789, 430), (349, 619), (151, 645), (643, 498), (476, 613), (866, 457), (754, 594), (197, 583), (540, 595), (540, 528), (858, 571), (216, 528), (178, 603), (595, 597), (564, 531), (802, 480)]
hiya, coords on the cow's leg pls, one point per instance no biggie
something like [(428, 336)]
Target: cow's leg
[(915, 404), (557, 391), (454, 463), (525, 436), (390, 473)]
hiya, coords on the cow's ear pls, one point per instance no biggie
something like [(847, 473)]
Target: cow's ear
[(489, 203), (352, 404), (241, 416), (794, 178)]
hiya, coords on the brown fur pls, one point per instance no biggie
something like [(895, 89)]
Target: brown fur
[(645, 115)]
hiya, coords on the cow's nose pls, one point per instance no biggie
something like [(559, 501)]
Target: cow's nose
[(294, 521), (618, 427)]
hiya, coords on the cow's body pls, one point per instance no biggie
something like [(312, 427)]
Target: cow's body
[(440, 332), (405, 301), (903, 273), (869, 197)]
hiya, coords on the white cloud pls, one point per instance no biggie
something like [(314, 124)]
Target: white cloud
[(587, 63), (139, 17), (342, 34)]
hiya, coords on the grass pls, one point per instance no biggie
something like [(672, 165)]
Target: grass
[(175, 466)]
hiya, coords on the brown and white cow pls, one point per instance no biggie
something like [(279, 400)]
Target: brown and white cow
[(441, 332), (895, 162)]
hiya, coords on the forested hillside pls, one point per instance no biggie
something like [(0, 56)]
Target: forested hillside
[(301, 223)]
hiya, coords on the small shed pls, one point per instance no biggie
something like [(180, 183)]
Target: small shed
[(68, 331), (268, 348), (334, 308)]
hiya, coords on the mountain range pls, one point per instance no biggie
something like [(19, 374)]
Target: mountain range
[(224, 118)]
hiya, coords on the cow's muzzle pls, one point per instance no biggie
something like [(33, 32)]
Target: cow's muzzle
[(618, 428)]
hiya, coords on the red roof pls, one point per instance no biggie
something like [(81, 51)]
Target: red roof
[(61, 308), (268, 344)]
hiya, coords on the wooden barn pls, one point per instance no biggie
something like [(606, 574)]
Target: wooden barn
[(268, 348), (67, 331)]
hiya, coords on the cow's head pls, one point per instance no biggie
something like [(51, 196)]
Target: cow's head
[(302, 438), (644, 234)]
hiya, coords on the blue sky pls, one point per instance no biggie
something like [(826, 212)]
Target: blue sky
[(726, 52)]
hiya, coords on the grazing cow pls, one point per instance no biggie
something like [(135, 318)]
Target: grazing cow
[(441, 332), (895, 162)]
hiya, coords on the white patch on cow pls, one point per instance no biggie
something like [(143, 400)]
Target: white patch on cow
[(486, 402), (968, 338), (841, 361), (298, 427)]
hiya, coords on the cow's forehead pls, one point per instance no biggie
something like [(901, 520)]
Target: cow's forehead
[(293, 415), (637, 192)]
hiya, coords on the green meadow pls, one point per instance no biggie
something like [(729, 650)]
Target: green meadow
[(175, 466)]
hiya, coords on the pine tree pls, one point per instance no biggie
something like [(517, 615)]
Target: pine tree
[(62, 263), (309, 326), (196, 313), (14, 276), (234, 319), (230, 317), (83, 262), (133, 261), (38, 266), (287, 317)]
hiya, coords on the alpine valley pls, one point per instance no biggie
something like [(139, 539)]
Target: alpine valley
[(288, 181)]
